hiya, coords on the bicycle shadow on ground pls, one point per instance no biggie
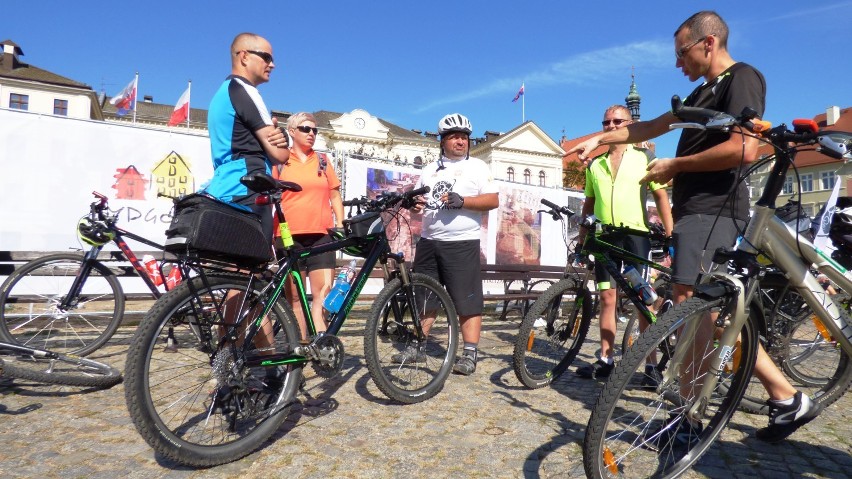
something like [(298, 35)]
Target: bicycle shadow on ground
[(566, 442), (27, 388), (817, 460), (312, 402)]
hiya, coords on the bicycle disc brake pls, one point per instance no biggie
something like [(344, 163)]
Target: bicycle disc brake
[(329, 356)]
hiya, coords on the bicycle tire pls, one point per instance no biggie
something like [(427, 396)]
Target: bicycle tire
[(64, 370), (552, 333), (191, 400), (814, 363), (623, 418), (415, 381), (28, 306)]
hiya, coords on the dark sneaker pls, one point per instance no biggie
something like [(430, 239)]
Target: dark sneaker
[(598, 369), (411, 354), (676, 432), (652, 378), (784, 420), (465, 365)]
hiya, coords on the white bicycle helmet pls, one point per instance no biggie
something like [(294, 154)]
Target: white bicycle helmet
[(454, 122)]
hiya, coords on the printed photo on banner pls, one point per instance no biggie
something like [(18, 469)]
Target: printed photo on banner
[(519, 228), (403, 229)]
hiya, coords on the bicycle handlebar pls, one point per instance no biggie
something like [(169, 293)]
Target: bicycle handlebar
[(557, 211), (387, 200), (834, 144)]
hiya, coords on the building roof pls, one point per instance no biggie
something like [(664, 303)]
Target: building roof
[(567, 144), (24, 71), (150, 112)]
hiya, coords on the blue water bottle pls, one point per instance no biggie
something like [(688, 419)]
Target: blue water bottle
[(341, 286)]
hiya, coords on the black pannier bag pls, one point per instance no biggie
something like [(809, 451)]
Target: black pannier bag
[(214, 229)]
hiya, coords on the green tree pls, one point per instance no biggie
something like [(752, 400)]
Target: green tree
[(574, 175)]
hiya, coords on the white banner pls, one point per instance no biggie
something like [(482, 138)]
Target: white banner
[(514, 233), (50, 165)]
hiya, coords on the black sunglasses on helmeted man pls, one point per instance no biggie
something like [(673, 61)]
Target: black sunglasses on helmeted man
[(267, 57)]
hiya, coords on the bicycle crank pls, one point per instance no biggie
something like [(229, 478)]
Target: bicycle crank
[(328, 359)]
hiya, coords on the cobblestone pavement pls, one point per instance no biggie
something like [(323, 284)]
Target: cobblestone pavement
[(484, 425)]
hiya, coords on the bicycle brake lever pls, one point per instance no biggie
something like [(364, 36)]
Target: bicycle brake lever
[(697, 126)]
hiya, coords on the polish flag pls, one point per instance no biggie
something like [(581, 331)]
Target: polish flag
[(181, 112)]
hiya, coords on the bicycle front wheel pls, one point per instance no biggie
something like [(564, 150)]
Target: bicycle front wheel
[(31, 313), (403, 368), (198, 403), (60, 369), (552, 333), (637, 432)]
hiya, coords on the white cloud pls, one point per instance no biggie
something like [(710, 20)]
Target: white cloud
[(582, 69)]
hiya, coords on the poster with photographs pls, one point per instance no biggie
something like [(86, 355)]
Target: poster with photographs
[(374, 179), (518, 226)]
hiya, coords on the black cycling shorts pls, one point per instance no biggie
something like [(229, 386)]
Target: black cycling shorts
[(455, 264)]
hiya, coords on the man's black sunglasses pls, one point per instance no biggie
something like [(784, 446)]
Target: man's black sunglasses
[(267, 57), (307, 129)]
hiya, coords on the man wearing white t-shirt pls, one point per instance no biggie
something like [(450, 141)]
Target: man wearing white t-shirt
[(461, 190)]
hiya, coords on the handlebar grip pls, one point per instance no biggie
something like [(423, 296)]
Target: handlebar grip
[(355, 202), (550, 204), (419, 191)]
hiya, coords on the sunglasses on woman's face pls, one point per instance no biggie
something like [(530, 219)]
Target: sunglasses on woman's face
[(307, 129)]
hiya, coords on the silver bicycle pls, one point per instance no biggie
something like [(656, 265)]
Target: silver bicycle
[(704, 383)]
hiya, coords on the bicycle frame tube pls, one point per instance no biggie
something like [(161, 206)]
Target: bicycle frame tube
[(336, 320), (76, 288), (134, 261), (605, 252), (781, 246)]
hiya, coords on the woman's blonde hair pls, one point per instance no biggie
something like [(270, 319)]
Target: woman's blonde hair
[(298, 118)]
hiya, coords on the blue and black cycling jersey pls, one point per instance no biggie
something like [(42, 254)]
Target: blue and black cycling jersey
[(235, 113)]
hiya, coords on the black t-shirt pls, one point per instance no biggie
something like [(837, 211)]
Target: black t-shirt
[(705, 192)]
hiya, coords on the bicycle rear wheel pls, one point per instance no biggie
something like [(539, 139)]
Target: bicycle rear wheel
[(803, 349), (193, 401), (627, 432), (62, 369), (30, 314), (422, 375), (552, 333)]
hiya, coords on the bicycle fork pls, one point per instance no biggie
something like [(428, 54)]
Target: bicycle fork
[(731, 321)]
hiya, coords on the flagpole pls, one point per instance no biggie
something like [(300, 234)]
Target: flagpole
[(188, 104), (523, 104), (136, 96)]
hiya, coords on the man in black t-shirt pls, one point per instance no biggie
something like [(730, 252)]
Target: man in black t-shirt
[(705, 172)]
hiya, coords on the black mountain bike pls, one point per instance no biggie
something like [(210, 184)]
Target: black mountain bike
[(70, 302), (556, 325), (215, 365)]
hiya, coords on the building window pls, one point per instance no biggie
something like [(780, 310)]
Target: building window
[(807, 182), (527, 176), (788, 186), (60, 107), (542, 178), (19, 102), (510, 174), (828, 178)]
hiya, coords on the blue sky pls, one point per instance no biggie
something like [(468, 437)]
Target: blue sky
[(412, 62)]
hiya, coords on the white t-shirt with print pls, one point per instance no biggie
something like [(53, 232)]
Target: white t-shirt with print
[(470, 177)]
